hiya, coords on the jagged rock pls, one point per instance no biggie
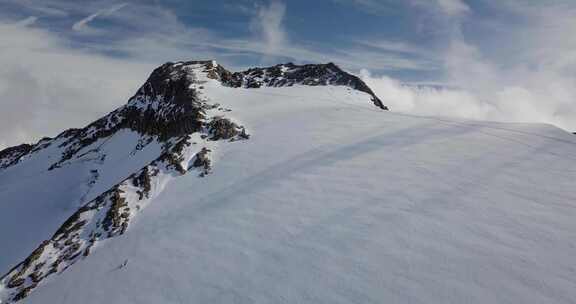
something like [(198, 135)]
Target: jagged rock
[(202, 161), (174, 156), (71, 224), (289, 74), (222, 128), (142, 181), (12, 155), (24, 292), (31, 258), (243, 134), (15, 282), (36, 277), (113, 221)]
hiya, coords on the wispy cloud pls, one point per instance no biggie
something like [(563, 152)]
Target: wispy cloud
[(154, 33), (268, 25), (82, 24), (46, 87), (453, 7), (372, 7), (45, 7), (26, 21)]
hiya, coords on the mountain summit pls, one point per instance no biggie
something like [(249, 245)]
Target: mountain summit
[(281, 75), (111, 168), (286, 184)]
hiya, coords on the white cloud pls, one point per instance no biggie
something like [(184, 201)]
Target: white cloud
[(268, 25), (432, 101), (82, 24), (535, 83), (46, 88), (27, 21), (394, 46), (453, 7)]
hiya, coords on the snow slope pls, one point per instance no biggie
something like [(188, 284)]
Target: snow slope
[(39, 201), (335, 201)]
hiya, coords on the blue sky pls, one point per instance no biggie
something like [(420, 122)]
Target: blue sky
[(65, 63), (403, 38)]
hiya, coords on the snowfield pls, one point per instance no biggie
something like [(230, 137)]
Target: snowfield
[(332, 200)]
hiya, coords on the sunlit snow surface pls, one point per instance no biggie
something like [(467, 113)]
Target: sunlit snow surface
[(335, 201), (34, 201)]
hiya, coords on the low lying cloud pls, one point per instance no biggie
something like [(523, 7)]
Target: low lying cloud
[(427, 99), (536, 82)]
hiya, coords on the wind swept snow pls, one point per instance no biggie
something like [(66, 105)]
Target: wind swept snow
[(334, 201)]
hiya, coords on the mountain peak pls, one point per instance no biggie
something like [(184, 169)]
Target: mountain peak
[(110, 169), (171, 81), (290, 74)]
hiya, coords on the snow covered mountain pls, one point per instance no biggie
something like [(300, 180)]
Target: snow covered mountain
[(287, 184)]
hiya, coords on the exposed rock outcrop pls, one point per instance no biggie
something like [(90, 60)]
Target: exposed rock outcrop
[(223, 128), (12, 155)]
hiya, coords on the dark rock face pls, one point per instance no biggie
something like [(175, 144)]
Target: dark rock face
[(143, 181), (169, 82), (281, 75), (165, 106), (202, 162), (223, 128), (289, 74), (12, 155)]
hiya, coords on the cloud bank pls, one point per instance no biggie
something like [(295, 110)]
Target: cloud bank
[(535, 82)]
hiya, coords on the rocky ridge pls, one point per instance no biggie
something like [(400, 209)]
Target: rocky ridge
[(290, 74), (166, 106), (166, 110)]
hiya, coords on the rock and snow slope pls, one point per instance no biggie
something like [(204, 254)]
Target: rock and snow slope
[(331, 200)]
